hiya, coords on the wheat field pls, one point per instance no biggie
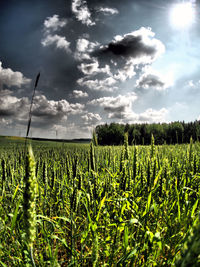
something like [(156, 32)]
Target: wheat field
[(87, 205)]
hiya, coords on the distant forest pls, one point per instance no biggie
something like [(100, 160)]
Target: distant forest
[(140, 134)]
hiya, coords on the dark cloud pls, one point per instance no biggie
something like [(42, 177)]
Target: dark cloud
[(130, 46), (139, 46), (6, 112), (119, 109), (152, 80)]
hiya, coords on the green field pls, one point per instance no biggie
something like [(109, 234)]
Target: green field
[(99, 206)]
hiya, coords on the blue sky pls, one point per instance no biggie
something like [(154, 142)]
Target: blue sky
[(100, 61)]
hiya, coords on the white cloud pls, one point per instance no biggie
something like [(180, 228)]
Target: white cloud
[(84, 48), (54, 23), (11, 105), (93, 68), (83, 45), (78, 131), (57, 40), (104, 85), (51, 108), (120, 108), (107, 79), (193, 84), (116, 107), (151, 115), (66, 131), (91, 118), (108, 11), (9, 77), (47, 113), (81, 12), (126, 72), (79, 94), (148, 116)]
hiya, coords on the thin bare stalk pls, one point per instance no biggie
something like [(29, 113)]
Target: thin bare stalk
[(30, 111)]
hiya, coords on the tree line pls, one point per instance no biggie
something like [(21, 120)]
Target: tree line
[(140, 134)]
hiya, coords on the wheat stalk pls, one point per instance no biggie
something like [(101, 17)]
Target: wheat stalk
[(29, 203)]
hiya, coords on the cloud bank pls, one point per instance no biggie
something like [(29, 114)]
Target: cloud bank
[(45, 112)]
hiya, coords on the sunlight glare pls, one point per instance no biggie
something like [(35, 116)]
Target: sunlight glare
[(182, 15)]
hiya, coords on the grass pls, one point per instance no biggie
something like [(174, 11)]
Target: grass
[(102, 206)]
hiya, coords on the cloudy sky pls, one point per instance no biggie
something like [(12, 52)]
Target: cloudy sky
[(100, 61)]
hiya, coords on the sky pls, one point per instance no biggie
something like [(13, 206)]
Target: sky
[(130, 61)]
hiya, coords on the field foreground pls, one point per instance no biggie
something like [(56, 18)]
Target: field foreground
[(98, 206)]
